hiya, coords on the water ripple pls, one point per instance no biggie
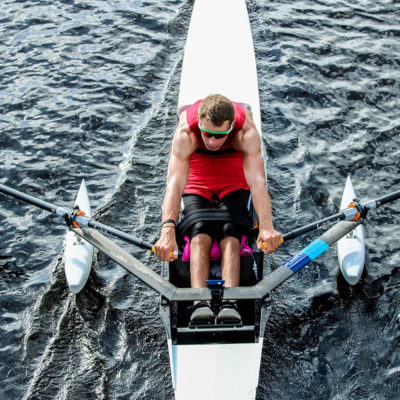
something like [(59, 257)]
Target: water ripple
[(89, 89)]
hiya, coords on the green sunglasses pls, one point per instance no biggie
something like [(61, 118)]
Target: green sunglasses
[(216, 135)]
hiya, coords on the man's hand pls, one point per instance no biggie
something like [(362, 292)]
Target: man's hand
[(166, 248), (268, 240)]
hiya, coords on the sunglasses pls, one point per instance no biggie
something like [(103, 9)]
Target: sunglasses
[(216, 135)]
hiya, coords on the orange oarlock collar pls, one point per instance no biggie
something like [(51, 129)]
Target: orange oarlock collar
[(76, 225), (358, 215)]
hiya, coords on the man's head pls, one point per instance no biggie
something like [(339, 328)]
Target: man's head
[(216, 120), (216, 109)]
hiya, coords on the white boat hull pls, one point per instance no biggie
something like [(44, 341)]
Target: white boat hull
[(78, 253), (219, 58), (351, 248), (215, 371)]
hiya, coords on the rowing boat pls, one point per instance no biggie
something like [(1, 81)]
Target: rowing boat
[(351, 248), (213, 362), (207, 362), (255, 296), (78, 253)]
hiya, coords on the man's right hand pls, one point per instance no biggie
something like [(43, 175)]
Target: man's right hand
[(166, 248)]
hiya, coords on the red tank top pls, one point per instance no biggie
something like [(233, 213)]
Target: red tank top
[(215, 173)]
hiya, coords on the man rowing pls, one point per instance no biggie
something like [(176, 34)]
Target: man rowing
[(216, 162)]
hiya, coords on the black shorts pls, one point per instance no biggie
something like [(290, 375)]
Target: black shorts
[(238, 201)]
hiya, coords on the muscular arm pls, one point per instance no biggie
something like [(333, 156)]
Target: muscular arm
[(183, 146), (253, 164), (254, 171), (178, 171)]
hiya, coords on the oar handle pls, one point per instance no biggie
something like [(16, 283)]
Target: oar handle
[(119, 234), (87, 222), (265, 244)]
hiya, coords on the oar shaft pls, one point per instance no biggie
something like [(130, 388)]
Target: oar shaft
[(117, 233), (81, 220), (44, 205), (388, 198), (313, 226), (341, 216)]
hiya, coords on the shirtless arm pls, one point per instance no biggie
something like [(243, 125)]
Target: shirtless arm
[(178, 172), (253, 164)]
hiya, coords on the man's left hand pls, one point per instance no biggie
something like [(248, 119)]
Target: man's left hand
[(268, 240)]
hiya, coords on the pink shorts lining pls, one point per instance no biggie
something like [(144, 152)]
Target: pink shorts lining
[(215, 252)]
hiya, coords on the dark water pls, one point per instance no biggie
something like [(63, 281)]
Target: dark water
[(89, 89)]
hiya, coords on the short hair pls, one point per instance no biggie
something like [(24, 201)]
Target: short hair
[(217, 109)]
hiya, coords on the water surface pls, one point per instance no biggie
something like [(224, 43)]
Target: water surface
[(89, 89)]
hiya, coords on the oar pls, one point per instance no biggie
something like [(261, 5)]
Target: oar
[(74, 217), (319, 245), (353, 213), (77, 219)]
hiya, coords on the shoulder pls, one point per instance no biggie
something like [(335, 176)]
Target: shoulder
[(247, 138), (185, 140), (248, 124)]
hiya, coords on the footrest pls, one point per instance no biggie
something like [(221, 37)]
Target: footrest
[(200, 324), (215, 326)]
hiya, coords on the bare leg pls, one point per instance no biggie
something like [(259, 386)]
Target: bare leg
[(200, 260), (230, 261)]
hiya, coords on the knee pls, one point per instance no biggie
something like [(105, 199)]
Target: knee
[(201, 241), (229, 243), (230, 230), (199, 229)]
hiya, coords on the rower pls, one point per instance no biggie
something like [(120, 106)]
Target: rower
[(216, 162)]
